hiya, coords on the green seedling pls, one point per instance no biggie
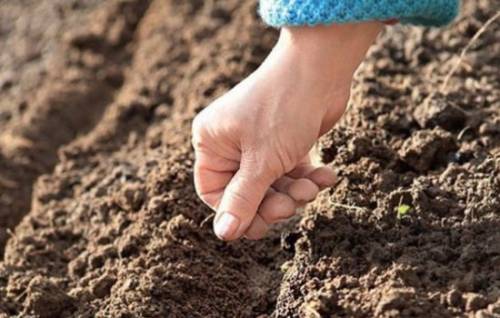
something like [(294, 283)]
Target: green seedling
[(402, 210)]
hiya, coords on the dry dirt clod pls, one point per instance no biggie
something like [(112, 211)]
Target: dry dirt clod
[(427, 149), (45, 299), (101, 286), (441, 112)]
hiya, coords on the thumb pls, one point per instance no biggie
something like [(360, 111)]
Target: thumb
[(241, 200)]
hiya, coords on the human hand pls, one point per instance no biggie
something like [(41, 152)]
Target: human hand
[(252, 144)]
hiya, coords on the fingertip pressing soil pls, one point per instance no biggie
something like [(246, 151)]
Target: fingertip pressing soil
[(98, 161)]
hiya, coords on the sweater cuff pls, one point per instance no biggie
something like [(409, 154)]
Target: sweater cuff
[(280, 13)]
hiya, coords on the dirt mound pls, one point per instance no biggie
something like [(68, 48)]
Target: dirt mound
[(114, 228), (75, 75)]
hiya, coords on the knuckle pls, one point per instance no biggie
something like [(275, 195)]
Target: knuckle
[(197, 124), (262, 164), (197, 131), (277, 165)]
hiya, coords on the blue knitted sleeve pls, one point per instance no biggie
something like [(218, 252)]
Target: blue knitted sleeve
[(312, 12)]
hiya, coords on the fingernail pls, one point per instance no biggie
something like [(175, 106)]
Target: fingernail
[(226, 225)]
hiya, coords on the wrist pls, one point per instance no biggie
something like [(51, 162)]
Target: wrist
[(317, 62), (330, 50)]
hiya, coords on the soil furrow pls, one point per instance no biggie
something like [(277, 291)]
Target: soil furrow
[(80, 83)]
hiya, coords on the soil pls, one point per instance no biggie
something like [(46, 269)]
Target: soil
[(99, 218)]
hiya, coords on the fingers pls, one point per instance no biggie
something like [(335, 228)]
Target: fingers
[(276, 207), (240, 197), (324, 177), (303, 190), (283, 183), (211, 175), (240, 201), (210, 185), (257, 229), (301, 170), (304, 182)]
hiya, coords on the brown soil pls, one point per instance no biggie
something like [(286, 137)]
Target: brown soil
[(96, 185)]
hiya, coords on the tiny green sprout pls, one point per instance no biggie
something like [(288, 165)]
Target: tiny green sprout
[(402, 210)]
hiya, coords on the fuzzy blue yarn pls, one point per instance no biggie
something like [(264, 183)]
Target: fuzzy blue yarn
[(313, 12)]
